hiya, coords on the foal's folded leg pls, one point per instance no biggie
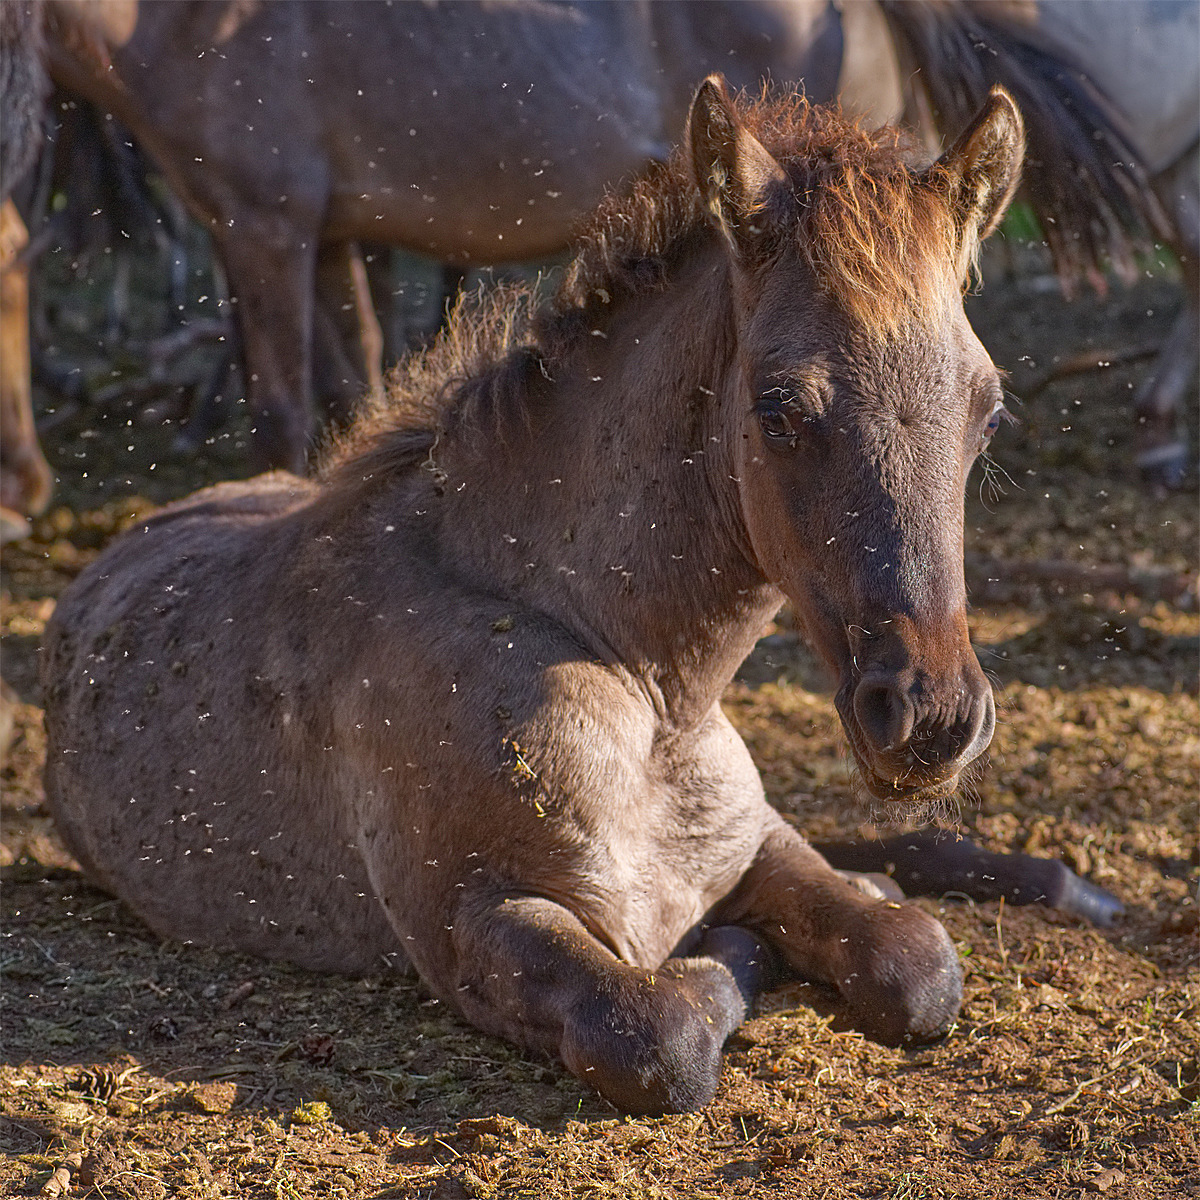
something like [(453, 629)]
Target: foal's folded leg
[(893, 965), (933, 864), (648, 1040)]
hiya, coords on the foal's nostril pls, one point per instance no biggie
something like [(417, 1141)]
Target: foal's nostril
[(885, 714), (964, 740), (983, 727)]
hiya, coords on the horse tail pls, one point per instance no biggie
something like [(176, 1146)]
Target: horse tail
[(1085, 180)]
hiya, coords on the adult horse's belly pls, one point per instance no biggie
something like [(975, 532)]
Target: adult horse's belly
[(518, 199), (490, 131), (1142, 53)]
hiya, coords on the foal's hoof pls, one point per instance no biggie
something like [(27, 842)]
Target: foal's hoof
[(903, 981), (652, 1044), (1067, 892), (752, 963)]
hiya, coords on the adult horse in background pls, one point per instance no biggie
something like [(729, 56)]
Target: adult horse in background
[(471, 133), (25, 477), (455, 703), (1143, 58), (26, 480)]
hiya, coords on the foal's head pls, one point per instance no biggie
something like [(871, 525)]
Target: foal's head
[(864, 398)]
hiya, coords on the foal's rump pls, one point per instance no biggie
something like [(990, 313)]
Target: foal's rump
[(152, 670)]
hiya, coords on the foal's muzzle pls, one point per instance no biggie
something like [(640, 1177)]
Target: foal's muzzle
[(913, 731)]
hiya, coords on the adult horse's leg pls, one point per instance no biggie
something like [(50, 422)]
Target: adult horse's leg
[(454, 277), (347, 337), (270, 266), (933, 864), (211, 401), (893, 965), (209, 406), (1162, 450), (410, 294), (1158, 405), (25, 477), (648, 1041)]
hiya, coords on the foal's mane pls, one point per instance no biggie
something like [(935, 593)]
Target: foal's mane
[(879, 238)]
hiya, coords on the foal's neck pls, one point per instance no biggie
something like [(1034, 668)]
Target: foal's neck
[(614, 509)]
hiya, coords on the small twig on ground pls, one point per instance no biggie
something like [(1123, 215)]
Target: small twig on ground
[(242, 992), (48, 956), (991, 576), (1078, 1091), (1089, 360), (59, 1183)]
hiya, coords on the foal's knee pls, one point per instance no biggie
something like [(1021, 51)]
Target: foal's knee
[(652, 1043), (903, 981)]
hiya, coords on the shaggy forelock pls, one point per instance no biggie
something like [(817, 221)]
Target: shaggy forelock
[(880, 238)]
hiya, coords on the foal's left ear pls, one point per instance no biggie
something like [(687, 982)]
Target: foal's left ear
[(740, 181), (980, 172)]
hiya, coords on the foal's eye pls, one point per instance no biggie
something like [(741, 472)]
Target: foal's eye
[(775, 424), (993, 421)]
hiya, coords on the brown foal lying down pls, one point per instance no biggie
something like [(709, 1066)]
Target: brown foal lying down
[(455, 703)]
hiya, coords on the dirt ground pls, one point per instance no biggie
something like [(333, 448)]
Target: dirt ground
[(131, 1067)]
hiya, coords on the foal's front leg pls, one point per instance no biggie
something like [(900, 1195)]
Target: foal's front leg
[(648, 1040), (893, 964)]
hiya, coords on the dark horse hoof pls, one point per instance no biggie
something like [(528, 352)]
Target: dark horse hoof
[(939, 864), (902, 981), (1164, 468), (753, 964), (1066, 891), (650, 1043)]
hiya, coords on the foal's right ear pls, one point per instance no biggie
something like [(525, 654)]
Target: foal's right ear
[(738, 178)]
